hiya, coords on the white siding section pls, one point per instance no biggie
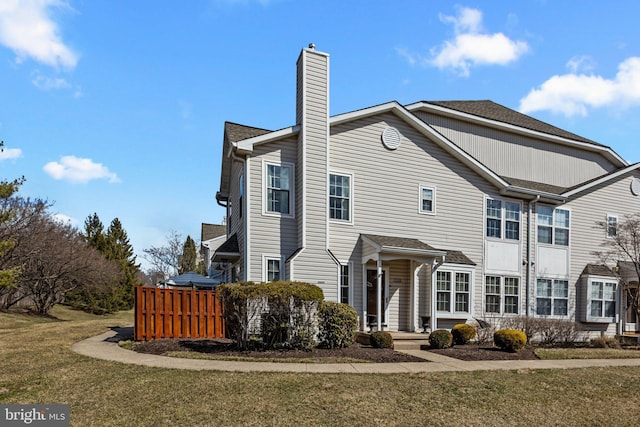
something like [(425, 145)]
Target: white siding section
[(518, 156)]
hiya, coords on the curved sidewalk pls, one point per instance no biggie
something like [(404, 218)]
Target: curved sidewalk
[(105, 347)]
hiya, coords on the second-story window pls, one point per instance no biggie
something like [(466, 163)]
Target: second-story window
[(340, 197), (612, 226), (278, 189), (240, 195), (553, 225), (503, 219)]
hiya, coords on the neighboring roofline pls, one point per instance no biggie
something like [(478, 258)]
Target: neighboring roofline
[(246, 145), (612, 155), (602, 180), (544, 196)]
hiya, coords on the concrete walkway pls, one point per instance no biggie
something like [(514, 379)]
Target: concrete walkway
[(105, 346)]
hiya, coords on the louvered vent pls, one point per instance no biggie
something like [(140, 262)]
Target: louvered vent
[(391, 138)]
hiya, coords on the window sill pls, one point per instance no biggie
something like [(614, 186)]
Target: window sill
[(590, 319)]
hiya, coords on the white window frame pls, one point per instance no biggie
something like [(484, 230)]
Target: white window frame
[(421, 199), (502, 295), (453, 272), (503, 219), (553, 298), (601, 318), (349, 296), (265, 184), (350, 198), (553, 226), (608, 226), (265, 266)]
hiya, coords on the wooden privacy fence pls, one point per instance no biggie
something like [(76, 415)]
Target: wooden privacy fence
[(177, 313)]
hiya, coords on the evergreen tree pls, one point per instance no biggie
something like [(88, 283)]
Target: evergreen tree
[(94, 232), (189, 259), (8, 274), (119, 249)]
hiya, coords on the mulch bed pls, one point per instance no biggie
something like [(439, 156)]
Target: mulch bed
[(227, 348), (472, 352), (365, 353)]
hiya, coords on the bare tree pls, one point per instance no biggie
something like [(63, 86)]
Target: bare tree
[(165, 259), (57, 260), (622, 252)]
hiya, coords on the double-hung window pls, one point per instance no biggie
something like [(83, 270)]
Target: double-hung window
[(453, 291), (344, 284), (279, 188), (427, 200), (552, 297), (340, 197), (602, 299), (553, 226), (612, 226), (503, 219), (501, 295), (272, 269)]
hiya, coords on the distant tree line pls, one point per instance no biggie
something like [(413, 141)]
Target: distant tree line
[(44, 261), (174, 258)]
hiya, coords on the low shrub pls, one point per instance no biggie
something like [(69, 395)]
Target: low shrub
[(510, 340), (338, 324), (381, 339), (440, 338), (605, 342), (463, 333)]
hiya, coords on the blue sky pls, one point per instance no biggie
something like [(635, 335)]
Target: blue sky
[(118, 107)]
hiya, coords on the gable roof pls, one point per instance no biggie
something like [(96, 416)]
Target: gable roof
[(487, 111), (211, 231), (494, 111)]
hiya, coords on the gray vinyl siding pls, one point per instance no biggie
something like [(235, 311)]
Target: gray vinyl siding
[(269, 234), (587, 209), (518, 156), (386, 192), (386, 189)]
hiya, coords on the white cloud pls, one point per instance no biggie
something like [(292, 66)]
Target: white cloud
[(574, 94), (49, 83), (78, 170), (26, 27), (10, 153), (582, 63), (470, 47), (65, 219)]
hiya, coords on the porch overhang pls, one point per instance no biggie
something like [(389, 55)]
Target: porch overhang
[(386, 248), (228, 251)]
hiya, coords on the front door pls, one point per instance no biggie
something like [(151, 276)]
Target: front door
[(372, 302)]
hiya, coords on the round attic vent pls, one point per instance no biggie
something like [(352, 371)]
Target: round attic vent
[(391, 138), (635, 187)]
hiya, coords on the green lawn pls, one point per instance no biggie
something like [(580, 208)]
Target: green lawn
[(37, 366)]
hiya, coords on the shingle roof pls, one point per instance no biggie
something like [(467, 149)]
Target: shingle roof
[(457, 257), (537, 186), (493, 111), (230, 246), (451, 257), (598, 270), (236, 132), (399, 242), (211, 231)]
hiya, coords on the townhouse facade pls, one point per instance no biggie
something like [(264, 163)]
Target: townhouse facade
[(427, 214)]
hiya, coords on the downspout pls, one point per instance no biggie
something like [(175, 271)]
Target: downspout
[(529, 269)]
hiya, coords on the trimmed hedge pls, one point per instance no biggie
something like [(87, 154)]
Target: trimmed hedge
[(510, 340), (440, 338), (381, 339), (285, 311), (338, 324), (463, 333)]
